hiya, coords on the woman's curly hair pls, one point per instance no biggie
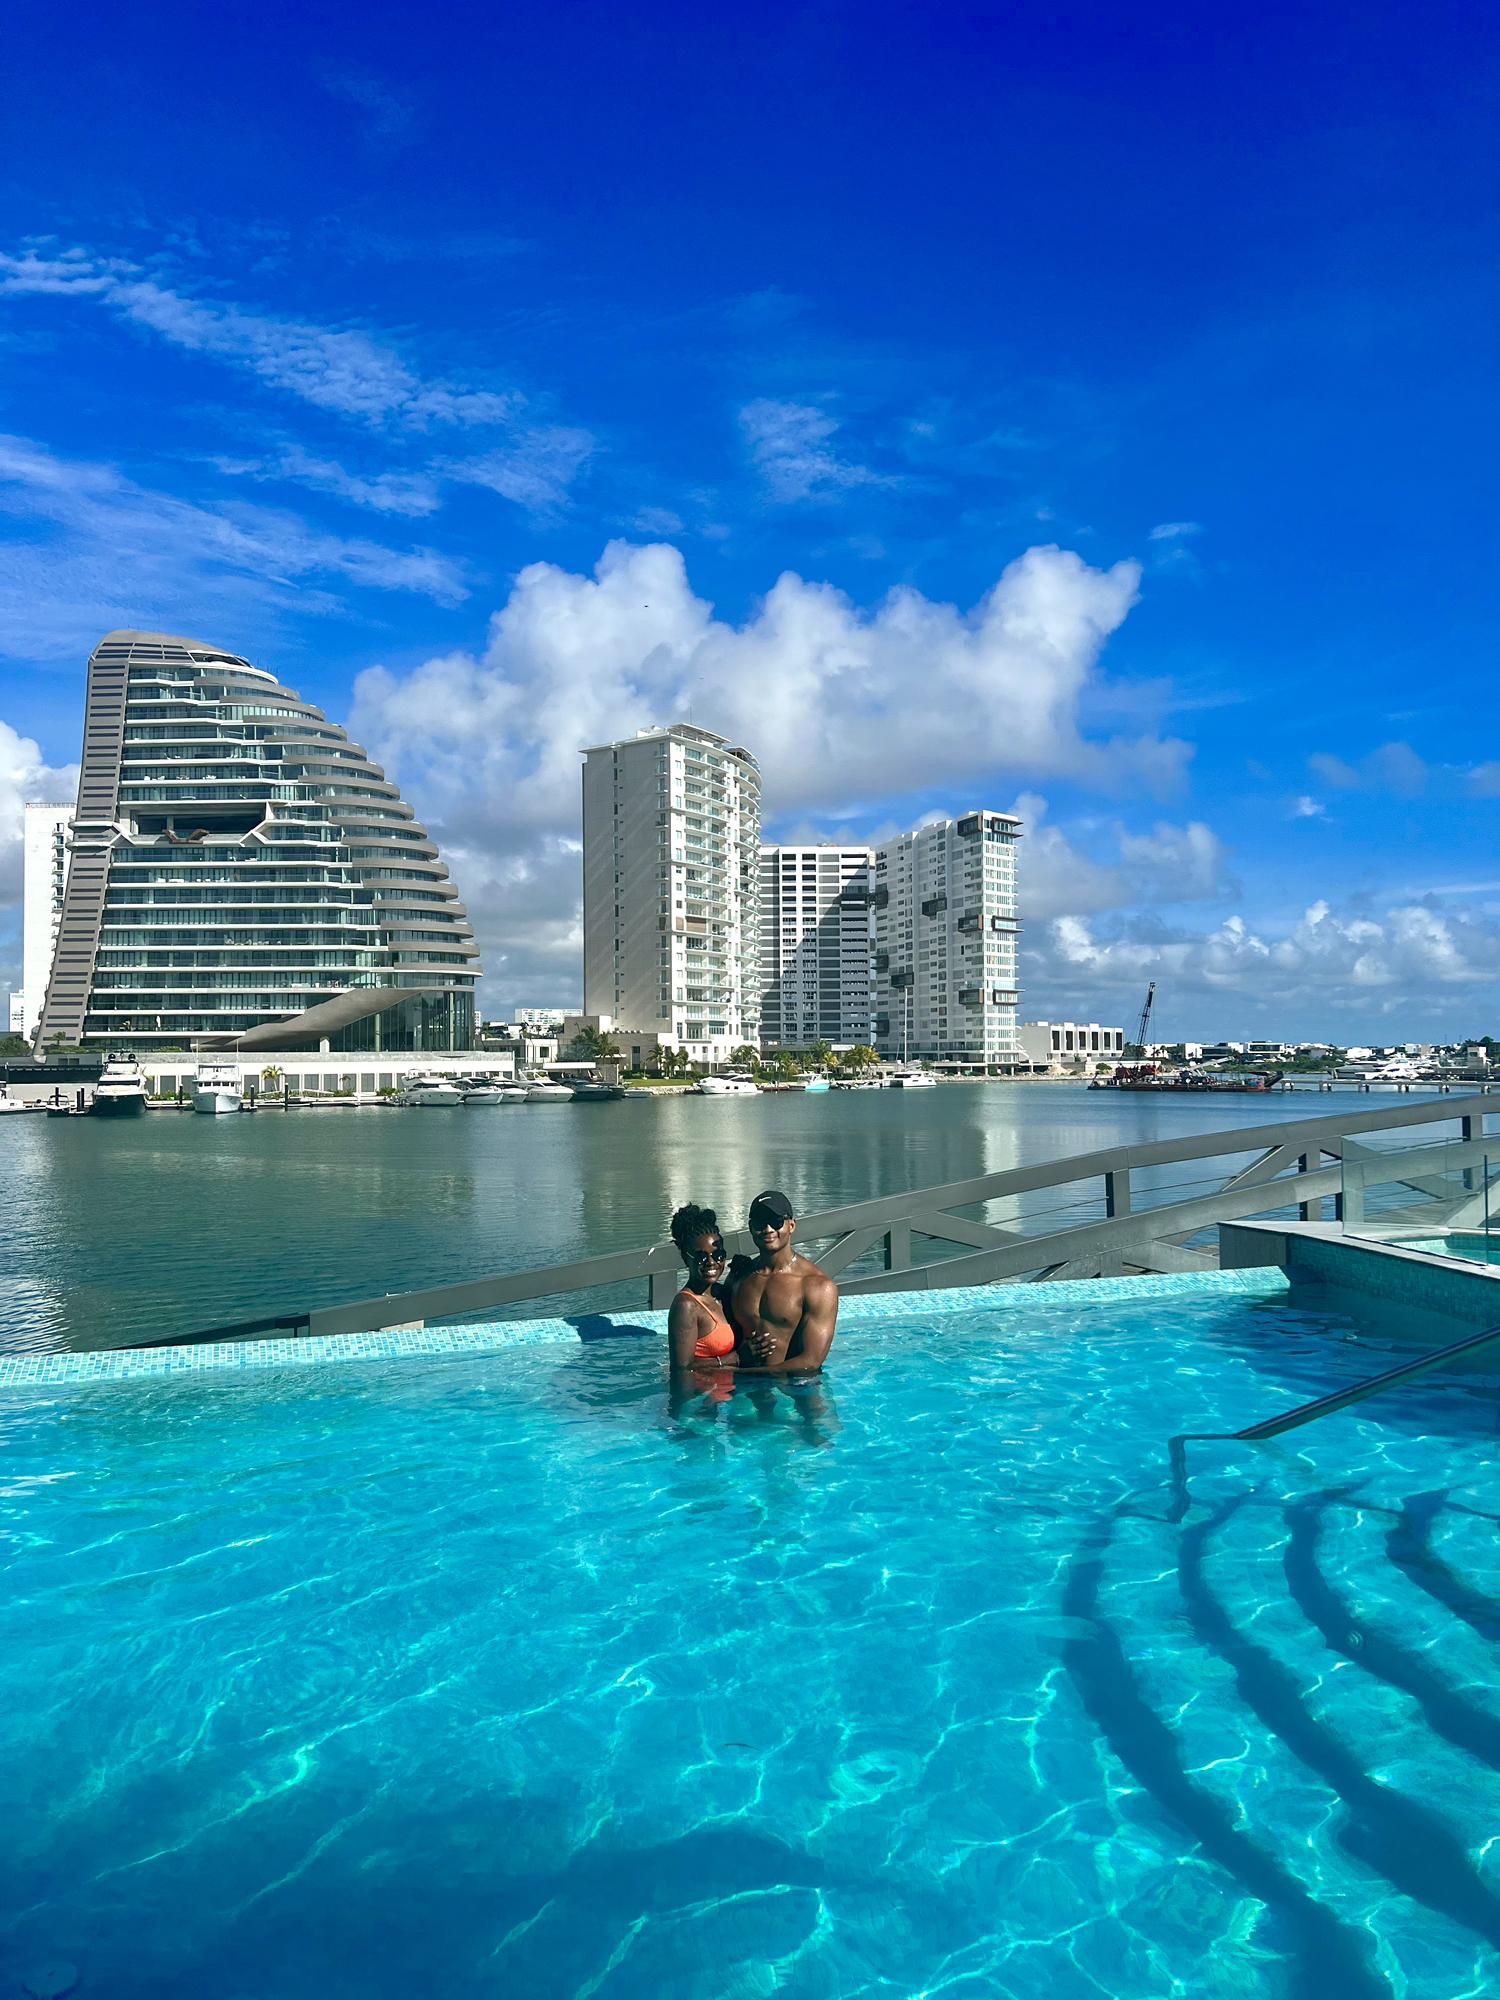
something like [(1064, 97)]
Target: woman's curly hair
[(690, 1221)]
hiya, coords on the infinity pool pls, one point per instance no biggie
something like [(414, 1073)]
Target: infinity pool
[(495, 1674)]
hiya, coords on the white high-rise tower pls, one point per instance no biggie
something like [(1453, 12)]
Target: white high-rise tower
[(945, 936), (671, 888), (814, 945), (44, 876)]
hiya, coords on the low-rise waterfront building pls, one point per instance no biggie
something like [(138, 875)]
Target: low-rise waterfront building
[(815, 945), (315, 1074), (945, 940), (243, 876), (1059, 1046), (671, 888)]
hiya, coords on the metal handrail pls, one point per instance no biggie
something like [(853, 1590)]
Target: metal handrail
[(1340, 1399), (1137, 1235)]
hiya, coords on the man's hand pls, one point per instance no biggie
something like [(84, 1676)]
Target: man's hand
[(758, 1344)]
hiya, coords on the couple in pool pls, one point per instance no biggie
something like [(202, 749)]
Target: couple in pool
[(773, 1314)]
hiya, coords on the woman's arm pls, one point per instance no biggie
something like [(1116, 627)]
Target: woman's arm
[(682, 1331)]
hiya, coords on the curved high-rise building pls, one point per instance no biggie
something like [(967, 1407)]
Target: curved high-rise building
[(243, 875)]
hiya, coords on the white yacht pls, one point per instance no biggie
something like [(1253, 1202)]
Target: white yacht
[(217, 1087), (859, 1083), (9, 1103), (542, 1090), (912, 1078), (733, 1083), (481, 1090), (121, 1089), (428, 1087)]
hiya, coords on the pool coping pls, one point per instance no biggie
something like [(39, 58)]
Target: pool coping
[(23, 1371), (1388, 1268)]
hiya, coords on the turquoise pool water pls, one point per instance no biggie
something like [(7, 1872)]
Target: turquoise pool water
[(1478, 1247), (493, 1673)]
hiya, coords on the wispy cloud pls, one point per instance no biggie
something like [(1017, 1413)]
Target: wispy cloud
[(1304, 807), (536, 471), (114, 552), (1174, 531), (790, 446), (409, 493), (1394, 767), (388, 115), (343, 370)]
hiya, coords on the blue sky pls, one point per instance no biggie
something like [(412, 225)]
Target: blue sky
[(508, 378)]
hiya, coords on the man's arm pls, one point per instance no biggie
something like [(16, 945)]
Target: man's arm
[(809, 1345)]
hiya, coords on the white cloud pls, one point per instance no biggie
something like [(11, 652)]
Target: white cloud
[(339, 369), (1304, 807), (1174, 531), (1110, 866), (105, 551), (536, 471), (25, 778), (1394, 767), (790, 447), (840, 705), (408, 493), (1430, 970)]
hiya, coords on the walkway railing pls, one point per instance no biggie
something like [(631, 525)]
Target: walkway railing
[(930, 1239)]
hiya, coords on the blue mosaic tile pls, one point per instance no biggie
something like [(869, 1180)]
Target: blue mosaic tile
[(20, 1371)]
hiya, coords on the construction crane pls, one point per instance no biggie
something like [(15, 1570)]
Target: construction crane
[(1145, 1021)]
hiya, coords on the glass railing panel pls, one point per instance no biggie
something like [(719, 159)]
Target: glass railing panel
[(1442, 1196)]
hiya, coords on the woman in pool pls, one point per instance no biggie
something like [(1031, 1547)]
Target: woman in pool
[(698, 1331)]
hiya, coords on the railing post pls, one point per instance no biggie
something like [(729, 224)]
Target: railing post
[(1305, 1209), (1117, 1192), (661, 1288), (898, 1247), (1472, 1128), (1351, 1199)]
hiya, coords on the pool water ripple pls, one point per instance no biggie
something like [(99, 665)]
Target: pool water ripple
[(504, 1674)]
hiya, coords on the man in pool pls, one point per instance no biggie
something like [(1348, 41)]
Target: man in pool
[(784, 1307)]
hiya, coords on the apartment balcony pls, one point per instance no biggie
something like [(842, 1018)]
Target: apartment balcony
[(971, 920), (901, 980), (880, 896), (934, 905)]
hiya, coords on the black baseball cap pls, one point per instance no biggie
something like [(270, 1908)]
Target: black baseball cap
[(771, 1203)]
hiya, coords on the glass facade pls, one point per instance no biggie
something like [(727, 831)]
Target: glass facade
[(238, 862)]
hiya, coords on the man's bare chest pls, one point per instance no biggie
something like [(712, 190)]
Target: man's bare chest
[(773, 1298)]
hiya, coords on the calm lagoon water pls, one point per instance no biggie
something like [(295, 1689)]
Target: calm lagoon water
[(111, 1232), (499, 1677)]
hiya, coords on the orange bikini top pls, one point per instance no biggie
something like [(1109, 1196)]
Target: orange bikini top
[(719, 1340)]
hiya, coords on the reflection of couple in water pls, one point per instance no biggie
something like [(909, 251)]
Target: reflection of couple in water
[(773, 1314)]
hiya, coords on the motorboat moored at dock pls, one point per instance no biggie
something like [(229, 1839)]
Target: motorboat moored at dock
[(121, 1089), (542, 1090), (733, 1083), (430, 1087), (217, 1087), (912, 1078)]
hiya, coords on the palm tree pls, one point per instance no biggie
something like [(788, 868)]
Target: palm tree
[(270, 1076), (591, 1045), (744, 1057), (820, 1054), (860, 1057)]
